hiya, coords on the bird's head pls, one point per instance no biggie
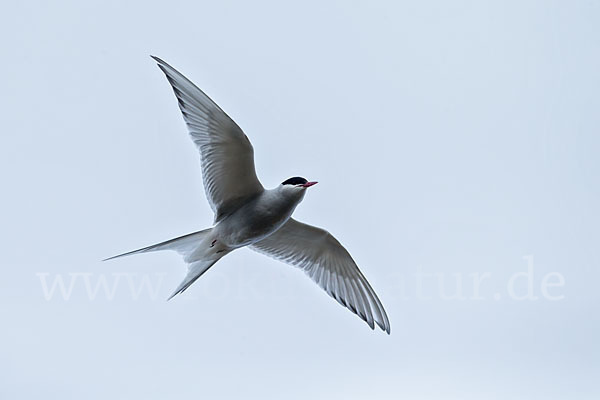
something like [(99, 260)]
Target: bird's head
[(296, 185)]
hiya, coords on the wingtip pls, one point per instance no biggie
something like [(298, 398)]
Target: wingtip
[(384, 327), (161, 63)]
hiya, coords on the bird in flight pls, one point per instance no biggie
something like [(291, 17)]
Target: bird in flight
[(248, 215)]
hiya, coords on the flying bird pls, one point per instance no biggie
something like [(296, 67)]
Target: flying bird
[(248, 215)]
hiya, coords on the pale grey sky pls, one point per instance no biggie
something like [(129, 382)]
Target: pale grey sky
[(456, 145)]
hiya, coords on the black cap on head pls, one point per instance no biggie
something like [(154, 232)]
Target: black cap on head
[(295, 181)]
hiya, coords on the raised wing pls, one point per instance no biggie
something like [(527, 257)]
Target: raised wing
[(329, 264), (227, 155)]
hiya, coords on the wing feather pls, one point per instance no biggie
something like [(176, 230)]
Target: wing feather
[(227, 156), (328, 264)]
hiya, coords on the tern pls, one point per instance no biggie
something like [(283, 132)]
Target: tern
[(248, 215)]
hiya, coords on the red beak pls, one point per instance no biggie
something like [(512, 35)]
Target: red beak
[(309, 184)]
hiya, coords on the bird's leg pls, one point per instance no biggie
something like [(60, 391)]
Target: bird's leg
[(213, 243)]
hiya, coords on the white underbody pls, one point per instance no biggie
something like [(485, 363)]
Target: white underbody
[(250, 223)]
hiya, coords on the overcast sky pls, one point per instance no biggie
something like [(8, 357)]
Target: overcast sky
[(456, 145)]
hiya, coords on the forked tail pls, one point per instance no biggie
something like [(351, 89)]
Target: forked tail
[(190, 247)]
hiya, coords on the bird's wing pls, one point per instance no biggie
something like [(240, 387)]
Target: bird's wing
[(329, 264), (227, 154)]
